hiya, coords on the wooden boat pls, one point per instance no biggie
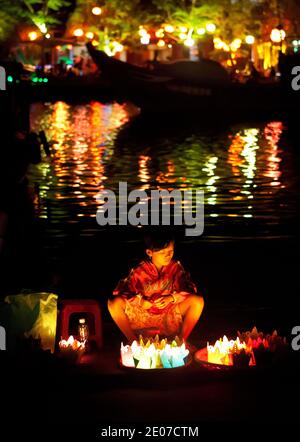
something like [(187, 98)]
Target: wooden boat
[(179, 88)]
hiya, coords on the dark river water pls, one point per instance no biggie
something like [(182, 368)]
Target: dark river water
[(247, 171), (246, 259)]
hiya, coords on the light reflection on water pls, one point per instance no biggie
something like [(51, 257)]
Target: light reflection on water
[(241, 171)]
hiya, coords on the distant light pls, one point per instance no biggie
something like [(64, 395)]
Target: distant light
[(90, 35), (170, 45), (277, 35), (236, 44), (58, 47), (96, 10), (201, 31), (161, 43), (183, 36), (43, 28), (211, 27), (48, 35), (70, 47), (295, 42), (218, 44), (183, 29), (145, 40), (118, 47), (32, 36), (189, 42), (40, 80), (78, 32), (35, 79), (95, 43), (160, 33), (249, 39), (169, 29), (142, 32), (108, 51), (10, 79), (45, 80)]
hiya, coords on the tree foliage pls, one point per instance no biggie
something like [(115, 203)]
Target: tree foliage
[(14, 12)]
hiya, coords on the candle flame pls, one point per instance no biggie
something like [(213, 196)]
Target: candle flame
[(223, 349), (71, 343)]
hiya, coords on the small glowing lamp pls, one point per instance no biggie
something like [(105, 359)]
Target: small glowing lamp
[(236, 44), (96, 10), (89, 35), (78, 32), (145, 40), (160, 33), (169, 29), (189, 42), (249, 39), (118, 47), (43, 28), (277, 35), (183, 36), (161, 43), (201, 31), (142, 32), (211, 27), (32, 36)]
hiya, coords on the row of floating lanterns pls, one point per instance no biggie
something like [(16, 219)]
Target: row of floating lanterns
[(154, 354), (248, 349)]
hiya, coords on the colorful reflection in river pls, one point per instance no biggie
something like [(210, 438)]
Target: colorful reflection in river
[(240, 170)]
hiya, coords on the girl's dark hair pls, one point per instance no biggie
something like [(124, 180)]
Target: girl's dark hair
[(158, 240)]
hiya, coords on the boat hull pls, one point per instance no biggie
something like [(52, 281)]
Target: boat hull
[(154, 93)]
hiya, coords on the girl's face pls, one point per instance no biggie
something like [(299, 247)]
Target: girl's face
[(162, 257)]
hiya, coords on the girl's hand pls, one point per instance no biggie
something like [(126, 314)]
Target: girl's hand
[(163, 301), (145, 304)]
